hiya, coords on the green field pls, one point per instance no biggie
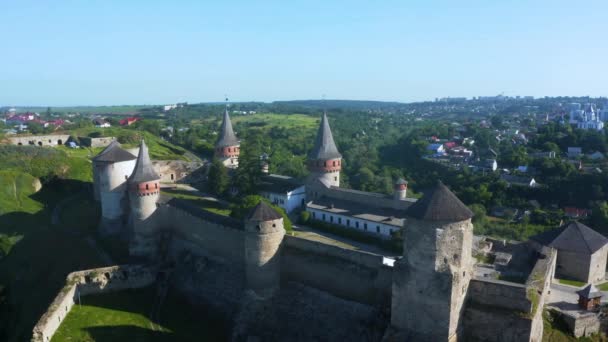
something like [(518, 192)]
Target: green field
[(270, 120), (124, 316)]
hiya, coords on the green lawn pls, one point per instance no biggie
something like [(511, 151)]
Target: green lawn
[(570, 282), (124, 316), (205, 204), (603, 287)]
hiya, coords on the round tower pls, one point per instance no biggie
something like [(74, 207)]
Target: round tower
[(144, 190), (324, 161), (263, 236), (436, 267), (111, 168), (227, 147), (400, 188)]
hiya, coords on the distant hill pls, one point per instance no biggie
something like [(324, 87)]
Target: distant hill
[(344, 104)]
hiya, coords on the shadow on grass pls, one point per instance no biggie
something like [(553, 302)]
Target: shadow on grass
[(127, 333), (35, 268), (178, 319)]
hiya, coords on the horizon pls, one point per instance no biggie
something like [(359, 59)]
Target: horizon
[(114, 53)]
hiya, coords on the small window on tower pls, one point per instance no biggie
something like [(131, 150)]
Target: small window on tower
[(147, 187), (336, 179), (334, 163)]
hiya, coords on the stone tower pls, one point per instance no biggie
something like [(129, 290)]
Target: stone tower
[(430, 282), (400, 192), (111, 168), (227, 147), (324, 161), (144, 190), (263, 236)]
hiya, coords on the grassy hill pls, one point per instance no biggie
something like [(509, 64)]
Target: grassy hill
[(159, 149), (35, 254)]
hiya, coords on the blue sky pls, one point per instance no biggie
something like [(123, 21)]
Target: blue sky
[(154, 52)]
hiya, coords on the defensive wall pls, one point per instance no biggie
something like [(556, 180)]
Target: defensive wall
[(40, 140), (317, 190), (207, 252), (96, 142), (514, 310), (93, 281), (349, 274)]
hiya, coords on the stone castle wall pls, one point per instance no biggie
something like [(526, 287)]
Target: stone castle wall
[(353, 275), (93, 281), (96, 142), (40, 140), (514, 310), (317, 190)]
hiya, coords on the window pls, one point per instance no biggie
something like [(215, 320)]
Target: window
[(347, 222), (155, 185), (323, 217), (147, 187), (339, 220), (334, 163), (365, 226), (357, 224), (314, 216), (336, 179), (377, 229), (331, 219)]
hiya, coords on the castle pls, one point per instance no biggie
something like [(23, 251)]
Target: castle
[(274, 286)]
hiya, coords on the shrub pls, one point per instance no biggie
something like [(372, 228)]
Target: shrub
[(304, 217)]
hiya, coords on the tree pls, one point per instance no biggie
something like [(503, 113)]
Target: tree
[(249, 172), (599, 217), (218, 177)]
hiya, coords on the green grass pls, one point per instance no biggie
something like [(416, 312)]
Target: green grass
[(205, 204), (603, 287), (124, 316), (269, 120), (129, 138), (555, 329), (570, 282)]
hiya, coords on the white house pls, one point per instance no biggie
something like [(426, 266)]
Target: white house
[(436, 148), (379, 221), (283, 191)]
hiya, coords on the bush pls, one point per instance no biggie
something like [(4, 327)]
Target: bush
[(304, 217)]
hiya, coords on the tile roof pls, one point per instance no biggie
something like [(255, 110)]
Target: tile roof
[(590, 291), (439, 204), (278, 184), (113, 153), (227, 136), (325, 147), (143, 172), (573, 237), (263, 212)]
